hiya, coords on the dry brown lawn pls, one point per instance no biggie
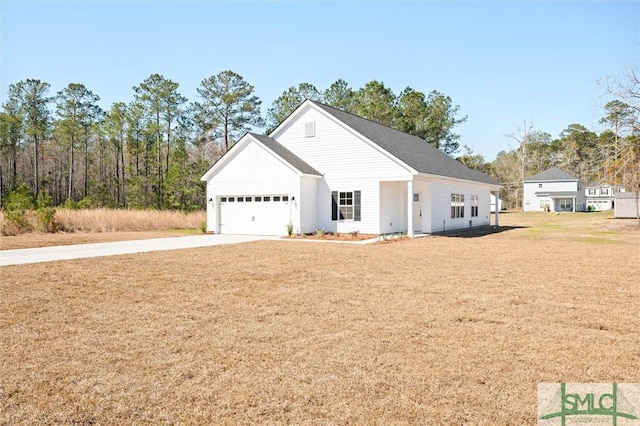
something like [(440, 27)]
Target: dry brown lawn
[(436, 330), (40, 239)]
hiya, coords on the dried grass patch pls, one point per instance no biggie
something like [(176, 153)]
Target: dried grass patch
[(436, 330), (117, 220), (109, 220)]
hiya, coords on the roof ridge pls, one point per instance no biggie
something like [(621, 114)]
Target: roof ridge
[(366, 119), (412, 150)]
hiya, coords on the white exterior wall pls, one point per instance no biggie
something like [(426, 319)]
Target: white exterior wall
[(600, 204), (423, 187), (307, 203), (532, 201), (347, 163), (493, 204), (441, 205), (370, 218), (252, 171), (393, 207), (336, 152)]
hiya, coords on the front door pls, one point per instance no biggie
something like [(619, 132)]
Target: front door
[(417, 212)]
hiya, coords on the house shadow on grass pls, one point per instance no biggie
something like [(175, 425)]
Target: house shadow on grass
[(479, 231)]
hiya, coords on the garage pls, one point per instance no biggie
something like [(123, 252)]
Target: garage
[(264, 214)]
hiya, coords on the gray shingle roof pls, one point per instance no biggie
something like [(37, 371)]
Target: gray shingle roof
[(411, 150), (286, 155), (553, 173)]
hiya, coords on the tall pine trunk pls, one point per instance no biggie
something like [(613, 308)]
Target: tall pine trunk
[(36, 165), (70, 191)]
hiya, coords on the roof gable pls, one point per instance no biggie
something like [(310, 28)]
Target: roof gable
[(553, 173), (279, 151), (288, 156), (411, 150)]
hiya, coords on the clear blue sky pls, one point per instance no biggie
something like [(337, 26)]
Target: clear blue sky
[(501, 61)]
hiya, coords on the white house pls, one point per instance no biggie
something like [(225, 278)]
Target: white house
[(554, 190), (323, 168), (601, 196)]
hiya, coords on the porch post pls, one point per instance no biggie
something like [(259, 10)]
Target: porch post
[(410, 208), (497, 209)]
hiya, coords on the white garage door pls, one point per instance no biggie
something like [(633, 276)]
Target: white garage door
[(254, 214)]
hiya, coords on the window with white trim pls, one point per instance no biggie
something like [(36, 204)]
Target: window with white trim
[(346, 205), (566, 204), (591, 191), (474, 206), (604, 191), (457, 206), (345, 201)]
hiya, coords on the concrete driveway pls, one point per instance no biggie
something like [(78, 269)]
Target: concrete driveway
[(80, 251)]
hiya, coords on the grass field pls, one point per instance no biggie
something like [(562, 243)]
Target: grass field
[(437, 330), (102, 220)]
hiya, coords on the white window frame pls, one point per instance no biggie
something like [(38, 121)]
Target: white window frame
[(474, 206), (457, 206), (345, 205)]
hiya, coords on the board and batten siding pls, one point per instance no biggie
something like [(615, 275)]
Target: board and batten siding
[(253, 171), (441, 206)]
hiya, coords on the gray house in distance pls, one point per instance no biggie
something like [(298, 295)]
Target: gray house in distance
[(554, 190)]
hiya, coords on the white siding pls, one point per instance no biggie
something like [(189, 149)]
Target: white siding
[(347, 162), (441, 205), (335, 151), (211, 209), (532, 201), (369, 223), (251, 171), (423, 187), (392, 198), (307, 203)]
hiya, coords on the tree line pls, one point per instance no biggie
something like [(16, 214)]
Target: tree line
[(151, 151), (612, 156)]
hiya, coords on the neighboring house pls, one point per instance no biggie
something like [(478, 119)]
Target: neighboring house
[(323, 168), (601, 196), (493, 204), (626, 205), (554, 190)]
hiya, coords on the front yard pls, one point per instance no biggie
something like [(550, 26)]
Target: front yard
[(435, 330)]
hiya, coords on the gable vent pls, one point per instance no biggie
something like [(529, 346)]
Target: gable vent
[(309, 129)]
